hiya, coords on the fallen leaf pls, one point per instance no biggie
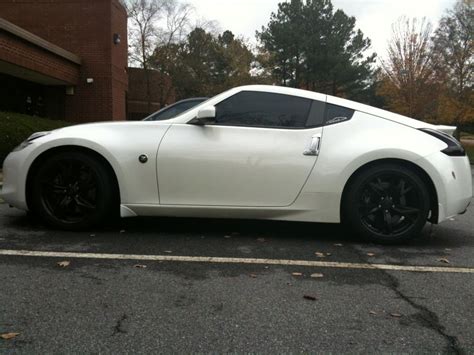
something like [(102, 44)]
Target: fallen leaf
[(297, 274), (8, 336), (227, 237), (64, 263), (317, 276), (310, 297), (444, 260), (261, 240), (139, 266), (370, 254), (338, 245), (253, 276), (320, 255), (396, 315), (373, 313)]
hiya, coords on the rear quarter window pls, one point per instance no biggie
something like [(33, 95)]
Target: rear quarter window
[(337, 114)]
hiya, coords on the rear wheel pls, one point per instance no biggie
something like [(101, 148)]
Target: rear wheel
[(72, 190), (388, 203)]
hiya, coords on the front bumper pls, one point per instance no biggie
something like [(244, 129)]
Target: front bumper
[(14, 180)]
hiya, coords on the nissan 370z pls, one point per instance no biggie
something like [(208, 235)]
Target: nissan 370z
[(259, 152)]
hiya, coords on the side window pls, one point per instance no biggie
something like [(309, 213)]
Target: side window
[(336, 114), (317, 114), (260, 109)]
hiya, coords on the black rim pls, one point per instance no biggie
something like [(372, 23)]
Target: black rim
[(69, 191), (390, 204)]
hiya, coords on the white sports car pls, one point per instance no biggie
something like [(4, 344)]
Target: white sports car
[(260, 152)]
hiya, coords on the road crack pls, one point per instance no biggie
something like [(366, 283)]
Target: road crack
[(426, 317), (118, 329)]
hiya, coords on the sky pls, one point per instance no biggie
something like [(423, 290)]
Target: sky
[(373, 17)]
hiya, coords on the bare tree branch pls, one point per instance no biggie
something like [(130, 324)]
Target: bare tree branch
[(409, 68)]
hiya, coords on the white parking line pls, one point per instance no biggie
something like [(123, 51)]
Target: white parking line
[(222, 260)]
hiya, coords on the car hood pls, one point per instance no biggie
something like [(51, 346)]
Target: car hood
[(112, 126)]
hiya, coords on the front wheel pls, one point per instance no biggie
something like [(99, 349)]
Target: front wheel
[(72, 191), (387, 204)]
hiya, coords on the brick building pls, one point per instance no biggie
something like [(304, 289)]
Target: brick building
[(161, 93), (64, 59)]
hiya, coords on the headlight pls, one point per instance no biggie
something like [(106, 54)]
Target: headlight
[(454, 148), (30, 139)]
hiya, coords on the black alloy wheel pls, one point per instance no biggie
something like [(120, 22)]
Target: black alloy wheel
[(72, 190), (387, 204)]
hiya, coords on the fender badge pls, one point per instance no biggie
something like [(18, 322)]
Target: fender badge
[(143, 158)]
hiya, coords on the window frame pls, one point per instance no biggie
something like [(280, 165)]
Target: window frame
[(267, 127), (323, 123)]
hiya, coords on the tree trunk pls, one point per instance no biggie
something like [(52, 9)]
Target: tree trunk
[(147, 73)]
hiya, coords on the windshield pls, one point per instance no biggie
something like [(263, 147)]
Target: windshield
[(209, 99), (164, 110), (174, 110), (199, 104)]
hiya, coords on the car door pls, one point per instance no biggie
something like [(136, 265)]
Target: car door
[(259, 153)]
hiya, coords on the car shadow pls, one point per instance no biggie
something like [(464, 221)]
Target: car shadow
[(435, 238)]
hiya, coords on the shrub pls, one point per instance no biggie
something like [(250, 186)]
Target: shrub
[(15, 128)]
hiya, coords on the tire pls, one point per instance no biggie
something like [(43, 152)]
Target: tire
[(73, 191), (386, 204)]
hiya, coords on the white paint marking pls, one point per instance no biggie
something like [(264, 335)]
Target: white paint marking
[(220, 260)]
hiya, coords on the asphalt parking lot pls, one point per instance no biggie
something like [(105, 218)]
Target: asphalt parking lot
[(187, 285)]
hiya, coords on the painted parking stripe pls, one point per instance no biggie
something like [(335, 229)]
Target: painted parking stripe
[(222, 260)]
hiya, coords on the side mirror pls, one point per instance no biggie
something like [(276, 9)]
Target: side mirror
[(205, 116)]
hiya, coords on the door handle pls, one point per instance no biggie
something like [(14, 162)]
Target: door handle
[(314, 146)]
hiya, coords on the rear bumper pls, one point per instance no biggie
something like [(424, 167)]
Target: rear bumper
[(452, 177)]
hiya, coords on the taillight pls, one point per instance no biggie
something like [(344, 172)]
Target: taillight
[(454, 148)]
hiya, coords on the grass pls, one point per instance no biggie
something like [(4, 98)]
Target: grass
[(15, 128)]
